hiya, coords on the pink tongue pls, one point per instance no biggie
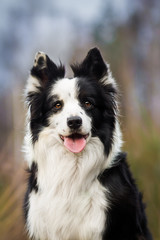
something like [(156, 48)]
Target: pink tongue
[(75, 145)]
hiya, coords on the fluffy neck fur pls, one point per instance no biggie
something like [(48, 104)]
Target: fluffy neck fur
[(67, 181), (66, 168)]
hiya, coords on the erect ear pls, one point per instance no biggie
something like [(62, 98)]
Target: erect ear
[(93, 65), (43, 71)]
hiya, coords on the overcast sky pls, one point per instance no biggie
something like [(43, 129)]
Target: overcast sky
[(55, 27)]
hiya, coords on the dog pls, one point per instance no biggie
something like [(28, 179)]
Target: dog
[(80, 186)]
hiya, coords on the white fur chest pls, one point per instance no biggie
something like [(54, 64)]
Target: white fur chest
[(56, 217), (70, 203)]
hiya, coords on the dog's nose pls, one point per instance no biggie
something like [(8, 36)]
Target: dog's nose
[(74, 122)]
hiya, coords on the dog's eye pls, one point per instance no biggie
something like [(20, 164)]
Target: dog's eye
[(58, 106), (88, 105)]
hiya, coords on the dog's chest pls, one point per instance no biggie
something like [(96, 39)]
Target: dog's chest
[(68, 212)]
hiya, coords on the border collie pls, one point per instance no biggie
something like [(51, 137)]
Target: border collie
[(80, 186)]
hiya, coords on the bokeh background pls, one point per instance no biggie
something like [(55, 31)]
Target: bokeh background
[(128, 34)]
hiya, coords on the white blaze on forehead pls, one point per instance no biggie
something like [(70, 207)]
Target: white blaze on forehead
[(65, 88)]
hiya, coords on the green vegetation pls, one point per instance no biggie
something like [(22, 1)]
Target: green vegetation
[(143, 147)]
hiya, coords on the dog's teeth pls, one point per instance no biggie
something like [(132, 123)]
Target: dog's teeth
[(61, 137), (86, 136)]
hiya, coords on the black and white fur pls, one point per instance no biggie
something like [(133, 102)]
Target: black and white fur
[(89, 195)]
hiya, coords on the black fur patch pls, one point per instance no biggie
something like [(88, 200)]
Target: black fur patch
[(92, 66), (32, 186), (41, 107), (36, 101), (126, 219), (49, 73), (103, 111)]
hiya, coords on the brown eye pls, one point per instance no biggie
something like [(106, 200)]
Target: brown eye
[(88, 104), (58, 106)]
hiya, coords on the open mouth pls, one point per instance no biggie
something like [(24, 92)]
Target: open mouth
[(75, 142)]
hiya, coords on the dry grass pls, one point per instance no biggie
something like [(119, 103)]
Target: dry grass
[(143, 147)]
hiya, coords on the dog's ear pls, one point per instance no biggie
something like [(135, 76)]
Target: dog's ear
[(93, 66), (43, 72)]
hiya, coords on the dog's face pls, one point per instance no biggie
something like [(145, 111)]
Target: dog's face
[(74, 110), (68, 114)]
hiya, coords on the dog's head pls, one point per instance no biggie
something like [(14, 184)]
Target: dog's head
[(73, 110)]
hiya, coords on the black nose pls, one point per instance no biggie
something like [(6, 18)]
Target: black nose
[(74, 122)]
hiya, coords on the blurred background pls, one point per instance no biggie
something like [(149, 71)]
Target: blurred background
[(128, 34)]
